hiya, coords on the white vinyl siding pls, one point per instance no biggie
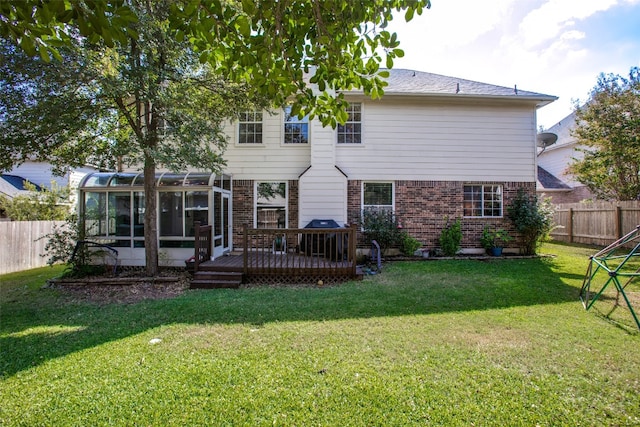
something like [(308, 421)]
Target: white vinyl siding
[(323, 195), (406, 138), (420, 140), (269, 161)]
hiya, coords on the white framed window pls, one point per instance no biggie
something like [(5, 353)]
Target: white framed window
[(271, 201), (351, 131), (483, 201), (296, 131), (378, 196), (250, 127)]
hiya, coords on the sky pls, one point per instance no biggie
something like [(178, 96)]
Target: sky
[(554, 47)]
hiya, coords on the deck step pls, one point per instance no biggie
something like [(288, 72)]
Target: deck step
[(218, 275), (216, 280), (214, 284)]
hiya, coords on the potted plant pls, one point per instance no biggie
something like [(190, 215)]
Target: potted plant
[(494, 240)]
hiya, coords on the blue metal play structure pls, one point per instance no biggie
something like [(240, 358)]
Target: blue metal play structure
[(615, 269)]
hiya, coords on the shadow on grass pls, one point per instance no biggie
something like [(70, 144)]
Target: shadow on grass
[(33, 332)]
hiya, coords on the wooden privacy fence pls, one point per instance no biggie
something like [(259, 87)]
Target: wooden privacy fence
[(22, 244), (597, 223)]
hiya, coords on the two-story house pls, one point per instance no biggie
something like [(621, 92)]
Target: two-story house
[(434, 147)]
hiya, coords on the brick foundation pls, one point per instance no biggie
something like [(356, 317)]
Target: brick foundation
[(423, 206)]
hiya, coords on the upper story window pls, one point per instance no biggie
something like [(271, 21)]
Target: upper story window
[(250, 128), (351, 131), (483, 200), (296, 131), (377, 196)]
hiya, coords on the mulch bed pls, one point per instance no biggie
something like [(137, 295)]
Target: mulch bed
[(125, 288)]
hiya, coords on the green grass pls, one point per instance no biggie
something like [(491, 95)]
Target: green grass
[(501, 342)]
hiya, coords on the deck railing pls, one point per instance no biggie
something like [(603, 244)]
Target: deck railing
[(202, 243), (327, 252)]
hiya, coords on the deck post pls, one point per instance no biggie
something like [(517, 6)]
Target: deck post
[(352, 248), (196, 245), (245, 254)]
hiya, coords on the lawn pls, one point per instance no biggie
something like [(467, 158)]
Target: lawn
[(501, 342)]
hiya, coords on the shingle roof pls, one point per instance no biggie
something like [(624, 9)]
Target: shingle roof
[(421, 83), (13, 185), (549, 181)]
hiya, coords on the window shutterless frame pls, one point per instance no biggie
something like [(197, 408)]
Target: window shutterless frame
[(483, 201)]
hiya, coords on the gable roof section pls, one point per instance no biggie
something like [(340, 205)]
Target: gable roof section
[(410, 82)]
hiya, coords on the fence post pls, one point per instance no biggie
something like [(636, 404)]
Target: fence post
[(570, 225), (618, 222)]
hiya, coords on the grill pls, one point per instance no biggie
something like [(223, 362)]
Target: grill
[(328, 245)]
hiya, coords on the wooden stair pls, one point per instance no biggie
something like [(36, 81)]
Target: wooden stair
[(212, 277)]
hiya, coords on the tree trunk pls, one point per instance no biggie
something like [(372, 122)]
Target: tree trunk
[(150, 216)]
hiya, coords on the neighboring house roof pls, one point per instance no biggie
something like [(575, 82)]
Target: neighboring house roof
[(563, 129), (13, 185), (547, 181), (410, 82)]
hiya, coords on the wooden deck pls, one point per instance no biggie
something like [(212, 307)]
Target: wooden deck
[(284, 256), (269, 263)]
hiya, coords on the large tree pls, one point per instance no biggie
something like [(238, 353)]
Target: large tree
[(150, 74), (148, 102), (608, 126)]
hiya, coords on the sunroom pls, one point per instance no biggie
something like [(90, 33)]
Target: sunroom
[(112, 207)]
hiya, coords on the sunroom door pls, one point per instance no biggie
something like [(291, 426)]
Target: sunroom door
[(221, 223)]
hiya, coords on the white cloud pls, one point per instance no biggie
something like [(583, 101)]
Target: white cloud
[(557, 16), (451, 23)]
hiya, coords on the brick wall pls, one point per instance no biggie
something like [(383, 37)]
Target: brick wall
[(423, 206)]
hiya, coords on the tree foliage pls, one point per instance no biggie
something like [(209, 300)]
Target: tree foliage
[(608, 125), (274, 44), (533, 220), (42, 27), (150, 82), (147, 102)]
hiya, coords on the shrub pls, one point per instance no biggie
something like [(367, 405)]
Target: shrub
[(61, 245), (409, 244), (495, 238), (533, 220), (382, 226), (450, 238)]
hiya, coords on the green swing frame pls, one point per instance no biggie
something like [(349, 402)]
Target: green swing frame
[(614, 264)]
